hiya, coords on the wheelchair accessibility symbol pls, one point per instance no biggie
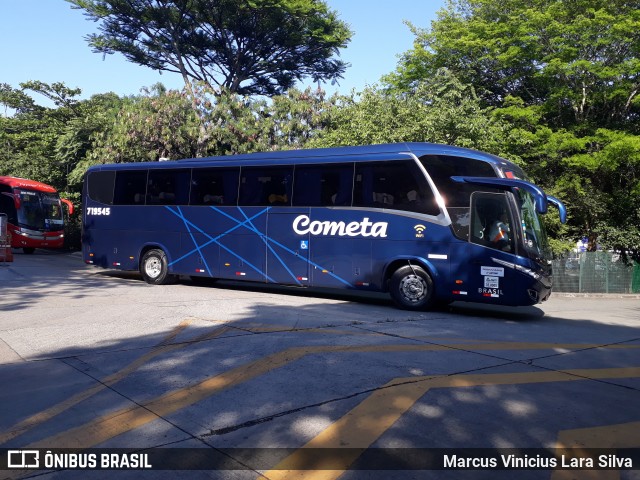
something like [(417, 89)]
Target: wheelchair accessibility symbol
[(304, 244)]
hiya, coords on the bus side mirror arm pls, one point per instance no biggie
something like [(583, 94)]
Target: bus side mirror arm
[(68, 204), (539, 197), (560, 206)]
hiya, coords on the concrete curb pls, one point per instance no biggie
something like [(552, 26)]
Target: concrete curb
[(596, 295)]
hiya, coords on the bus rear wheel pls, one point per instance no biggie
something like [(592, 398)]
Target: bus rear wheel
[(411, 288), (28, 250), (155, 268)]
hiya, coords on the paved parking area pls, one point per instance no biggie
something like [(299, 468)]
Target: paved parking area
[(274, 378)]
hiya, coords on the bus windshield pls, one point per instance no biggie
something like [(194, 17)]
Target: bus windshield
[(40, 211), (534, 235)]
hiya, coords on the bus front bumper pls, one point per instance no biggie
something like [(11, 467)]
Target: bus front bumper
[(22, 238), (539, 293)]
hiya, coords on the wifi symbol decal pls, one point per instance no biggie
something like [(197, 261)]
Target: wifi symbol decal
[(419, 229)]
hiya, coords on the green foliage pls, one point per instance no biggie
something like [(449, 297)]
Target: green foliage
[(79, 137), (46, 144), (439, 110), (298, 117), (29, 136), (245, 46), (73, 223), (58, 92), (16, 99), (145, 128), (576, 60), (597, 176), (163, 124)]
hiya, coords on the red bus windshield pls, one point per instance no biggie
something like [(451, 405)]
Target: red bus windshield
[(39, 211)]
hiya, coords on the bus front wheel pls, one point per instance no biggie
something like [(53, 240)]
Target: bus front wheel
[(411, 288), (154, 267)]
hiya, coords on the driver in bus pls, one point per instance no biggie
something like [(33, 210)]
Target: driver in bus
[(500, 233)]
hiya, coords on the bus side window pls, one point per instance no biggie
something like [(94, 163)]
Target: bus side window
[(168, 187), (398, 185), (308, 186), (131, 187), (457, 196), (100, 186), (250, 188), (230, 183), (363, 186), (214, 186), (414, 193), (344, 195), (323, 185), (266, 186)]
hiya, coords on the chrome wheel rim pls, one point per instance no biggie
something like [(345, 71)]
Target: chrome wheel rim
[(413, 288), (153, 267)]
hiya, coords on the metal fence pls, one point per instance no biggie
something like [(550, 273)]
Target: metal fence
[(595, 272)]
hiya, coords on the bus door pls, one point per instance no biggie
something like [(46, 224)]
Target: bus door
[(287, 252), (491, 235)]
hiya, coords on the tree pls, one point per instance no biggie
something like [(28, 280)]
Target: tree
[(47, 144), (157, 124), (295, 119), (439, 110), (161, 123), (28, 136), (578, 61), (245, 46), (565, 75)]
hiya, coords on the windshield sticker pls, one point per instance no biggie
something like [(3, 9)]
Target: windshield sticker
[(492, 282), (492, 271)]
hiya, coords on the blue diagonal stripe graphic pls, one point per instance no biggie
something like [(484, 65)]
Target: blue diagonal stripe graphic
[(248, 224), (267, 242), (184, 220), (217, 242)]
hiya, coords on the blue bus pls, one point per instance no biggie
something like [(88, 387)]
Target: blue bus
[(427, 223)]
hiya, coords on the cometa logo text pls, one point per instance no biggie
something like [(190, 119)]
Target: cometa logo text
[(303, 225)]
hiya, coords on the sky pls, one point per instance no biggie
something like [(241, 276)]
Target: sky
[(44, 40)]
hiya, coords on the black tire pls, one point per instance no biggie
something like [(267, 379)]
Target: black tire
[(28, 250), (154, 268), (411, 288)]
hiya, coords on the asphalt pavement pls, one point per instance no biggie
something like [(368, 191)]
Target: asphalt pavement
[(276, 382)]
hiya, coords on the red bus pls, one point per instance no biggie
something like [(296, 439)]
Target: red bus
[(34, 213)]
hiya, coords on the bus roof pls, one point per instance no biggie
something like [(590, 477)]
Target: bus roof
[(15, 182), (321, 155)]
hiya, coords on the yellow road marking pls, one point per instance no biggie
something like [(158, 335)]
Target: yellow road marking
[(623, 435), (365, 423), (126, 419), (49, 413)]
